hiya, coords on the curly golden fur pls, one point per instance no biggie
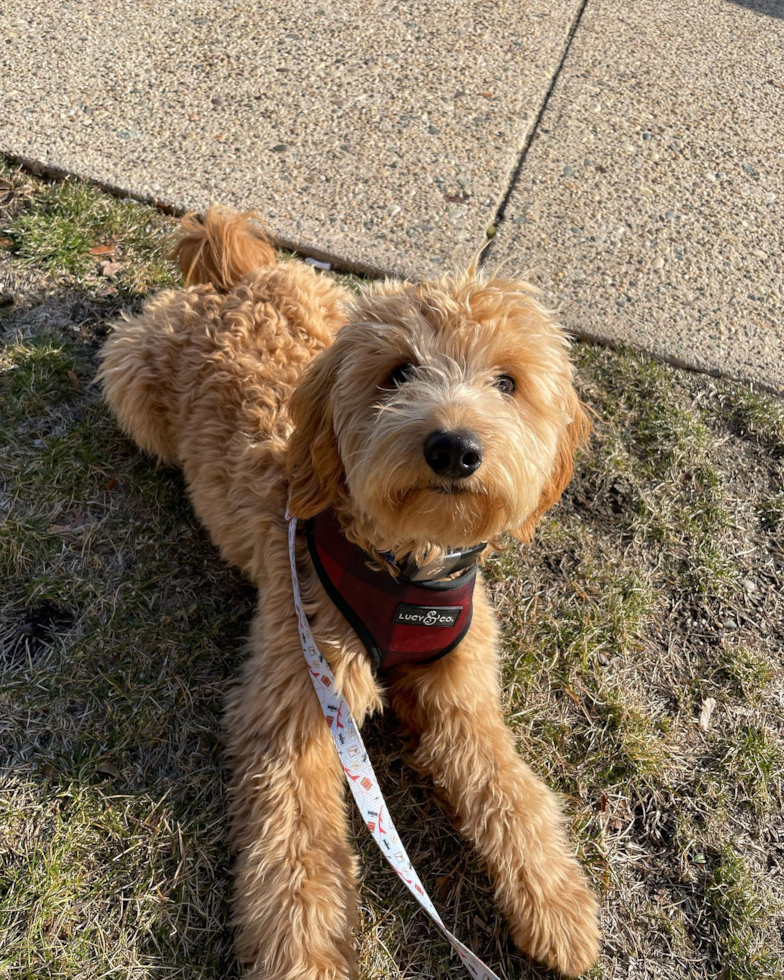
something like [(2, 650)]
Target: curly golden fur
[(269, 383)]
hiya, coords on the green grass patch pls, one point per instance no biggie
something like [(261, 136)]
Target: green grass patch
[(758, 415), (73, 231), (35, 375), (771, 512), (741, 913), (745, 673), (652, 459), (653, 421), (90, 842), (21, 540), (708, 569), (602, 617), (633, 738), (752, 763)]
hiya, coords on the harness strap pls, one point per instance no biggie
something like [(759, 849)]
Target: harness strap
[(397, 620), (359, 772)]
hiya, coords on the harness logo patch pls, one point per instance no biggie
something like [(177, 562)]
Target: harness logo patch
[(427, 615)]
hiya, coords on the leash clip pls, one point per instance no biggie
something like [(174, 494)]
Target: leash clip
[(453, 561)]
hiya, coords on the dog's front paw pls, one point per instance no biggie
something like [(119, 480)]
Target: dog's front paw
[(560, 924)]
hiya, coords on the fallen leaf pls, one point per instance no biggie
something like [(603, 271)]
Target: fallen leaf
[(107, 769), (74, 380), (111, 484), (442, 886), (104, 249), (705, 713), (488, 95), (77, 522), (5, 242), (110, 269)]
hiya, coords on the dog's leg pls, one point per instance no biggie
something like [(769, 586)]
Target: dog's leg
[(295, 871), (513, 819)]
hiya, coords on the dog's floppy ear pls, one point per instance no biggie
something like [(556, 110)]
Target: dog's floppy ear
[(575, 434), (314, 467)]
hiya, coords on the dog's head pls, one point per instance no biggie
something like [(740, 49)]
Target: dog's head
[(444, 414)]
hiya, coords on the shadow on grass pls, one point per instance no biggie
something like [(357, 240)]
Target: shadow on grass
[(120, 628)]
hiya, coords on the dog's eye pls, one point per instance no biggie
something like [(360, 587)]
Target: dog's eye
[(400, 375), (505, 384)]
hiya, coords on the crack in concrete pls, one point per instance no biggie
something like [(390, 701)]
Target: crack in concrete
[(533, 128)]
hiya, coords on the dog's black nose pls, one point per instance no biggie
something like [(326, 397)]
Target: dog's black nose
[(455, 454)]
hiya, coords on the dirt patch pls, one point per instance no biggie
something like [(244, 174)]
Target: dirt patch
[(40, 627)]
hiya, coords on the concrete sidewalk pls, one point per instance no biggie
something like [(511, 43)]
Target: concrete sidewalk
[(390, 136), (380, 134), (650, 203)]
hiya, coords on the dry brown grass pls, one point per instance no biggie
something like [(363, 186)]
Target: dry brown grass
[(655, 587)]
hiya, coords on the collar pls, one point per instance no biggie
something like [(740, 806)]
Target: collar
[(407, 619)]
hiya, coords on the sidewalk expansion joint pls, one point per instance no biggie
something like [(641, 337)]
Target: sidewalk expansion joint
[(534, 127)]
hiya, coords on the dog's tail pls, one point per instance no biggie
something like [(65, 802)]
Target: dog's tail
[(221, 248)]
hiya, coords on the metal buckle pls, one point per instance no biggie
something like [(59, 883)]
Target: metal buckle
[(452, 561)]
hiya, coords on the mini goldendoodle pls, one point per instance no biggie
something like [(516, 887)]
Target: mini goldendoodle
[(405, 428)]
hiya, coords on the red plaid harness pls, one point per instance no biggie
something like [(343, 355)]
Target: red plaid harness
[(398, 621)]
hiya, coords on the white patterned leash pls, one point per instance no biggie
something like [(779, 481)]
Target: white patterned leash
[(359, 772)]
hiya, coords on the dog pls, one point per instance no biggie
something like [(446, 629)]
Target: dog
[(424, 418)]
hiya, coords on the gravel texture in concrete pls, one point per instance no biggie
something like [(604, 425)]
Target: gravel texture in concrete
[(650, 205), (379, 133)]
